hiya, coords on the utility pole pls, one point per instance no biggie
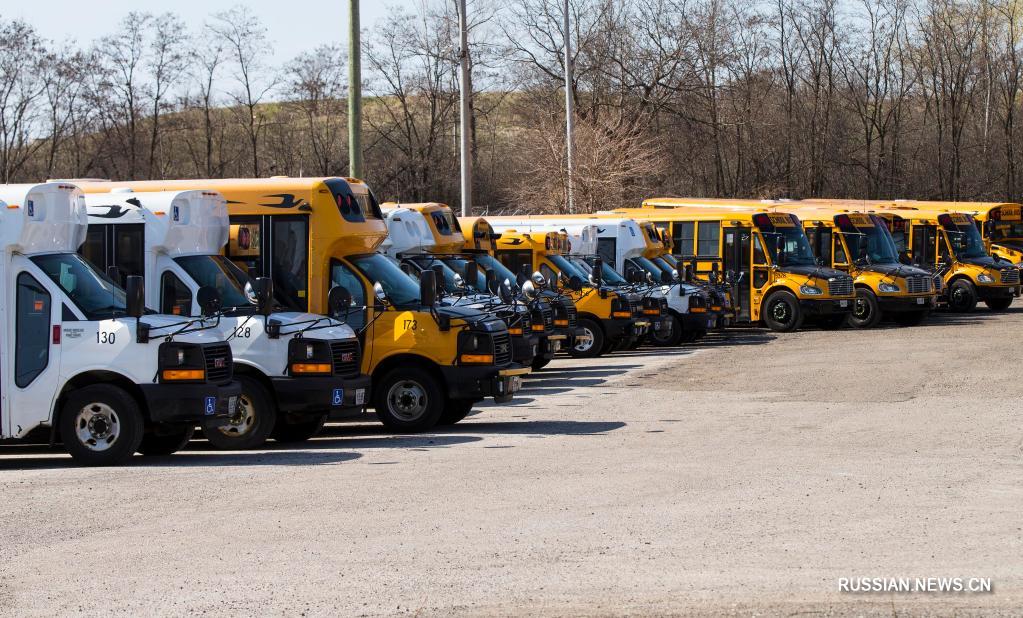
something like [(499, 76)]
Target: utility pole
[(569, 108), (465, 111), (354, 91)]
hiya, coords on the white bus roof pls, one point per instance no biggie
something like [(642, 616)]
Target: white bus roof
[(42, 218), (407, 232), (177, 222)]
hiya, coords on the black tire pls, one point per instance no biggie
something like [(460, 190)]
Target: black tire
[(866, 311), (456, 410), (539, 363), (596, 347), (910, 318), (409, 400), (782, 312), (833, 322), (252, 423), (962, 296), (101, 425), (998, 304), (298, 430), (673, 338), (166, 442)]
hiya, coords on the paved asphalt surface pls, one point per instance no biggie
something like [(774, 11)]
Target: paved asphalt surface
[(744, 475)]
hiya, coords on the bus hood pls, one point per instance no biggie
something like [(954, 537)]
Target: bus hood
[(477, 321), (293, 320), (820, 272), (896, 270)]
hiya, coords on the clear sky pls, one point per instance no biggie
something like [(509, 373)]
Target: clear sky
[(294, 25)]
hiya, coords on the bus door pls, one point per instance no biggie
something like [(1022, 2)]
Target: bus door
[(358, 314), (924, 239), (736, 260), (275, 246)]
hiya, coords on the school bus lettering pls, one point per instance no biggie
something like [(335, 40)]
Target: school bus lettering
[(860, 219), (780, 220)]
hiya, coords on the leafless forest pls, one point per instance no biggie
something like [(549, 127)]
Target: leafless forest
[(785, 98)]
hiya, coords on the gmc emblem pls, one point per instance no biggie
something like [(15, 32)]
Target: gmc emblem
[(219, 363), (347, 357), (503, 348)]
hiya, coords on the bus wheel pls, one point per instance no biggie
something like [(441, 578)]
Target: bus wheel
[(866, 312), (539, 363), (782, 313), (910, 318), (101, 425), (962, 296), (298, 430), (595, 346), (409, 400), (164, 443), (456, 410), (998, 304), (670, 339), (252, 422)]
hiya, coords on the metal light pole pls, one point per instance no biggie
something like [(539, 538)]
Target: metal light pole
[(464, 110), (354, 91), (569, 108)]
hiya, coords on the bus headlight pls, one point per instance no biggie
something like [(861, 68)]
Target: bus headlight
[(810, 290), (181, 362), (985, 278), (310, 357), (889, 288)]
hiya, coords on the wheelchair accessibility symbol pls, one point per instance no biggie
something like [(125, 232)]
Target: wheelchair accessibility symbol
[(211, 406), (337, 397)]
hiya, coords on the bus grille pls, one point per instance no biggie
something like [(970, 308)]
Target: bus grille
[(346, 357), (219, 362), (502, 349), (548, 317), (1010, 276), (635, 306), (840, 286), (918, 284), (570, 312), (939, 283)]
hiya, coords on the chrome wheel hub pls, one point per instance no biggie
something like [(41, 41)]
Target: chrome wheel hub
[(407, 400), (242, 421), (585, 343), (97, 426)]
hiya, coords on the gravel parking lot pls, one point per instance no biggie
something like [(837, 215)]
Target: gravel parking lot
[(743, 475)]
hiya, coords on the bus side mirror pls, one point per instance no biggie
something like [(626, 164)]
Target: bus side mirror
[(491, 282), (428, 288), (598, 272), (575, 283), (472, 273), (209, 300), (438, 276), (339, 299), (114, 274), (263, 288), (506, 294), (135, 296)]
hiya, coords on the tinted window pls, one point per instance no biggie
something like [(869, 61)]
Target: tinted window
[(290, 261), (514, 260), (709, 241), (129, 250), (94, 248), (218, 272), (344, 276), (175, 297), (90, 290), (606, 249), (32, 349), (684, 237), (354, 207)]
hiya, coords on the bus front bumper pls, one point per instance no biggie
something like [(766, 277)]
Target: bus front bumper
[(899, 304), (699, 322), (321, 394), (188, 403), (552, 344), (627, 330), (476, 383), (992, 292), (828, 306)]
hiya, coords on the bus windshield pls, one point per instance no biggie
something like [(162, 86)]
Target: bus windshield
[(965, 239), (458, 265), (90, 290), (650, 267), (490, 263), (1006, 232), (401, 289), (446, 272), (218, 272), (871, 244), (567, 268), (788, 246), (608, 274)]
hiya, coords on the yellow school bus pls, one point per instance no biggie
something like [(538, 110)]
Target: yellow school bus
[(429, 364), (766, 259), (860, 244), (949, 244), (609, 320)]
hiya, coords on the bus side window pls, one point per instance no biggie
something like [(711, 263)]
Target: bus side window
[(759, 257), (344, 276), (32, 330), (709, 240), (175, 297), (943, 254), (290, 265), (129, 250), (94, 248), (839, 250), (514, 260), (684, 237), (606, 248)]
